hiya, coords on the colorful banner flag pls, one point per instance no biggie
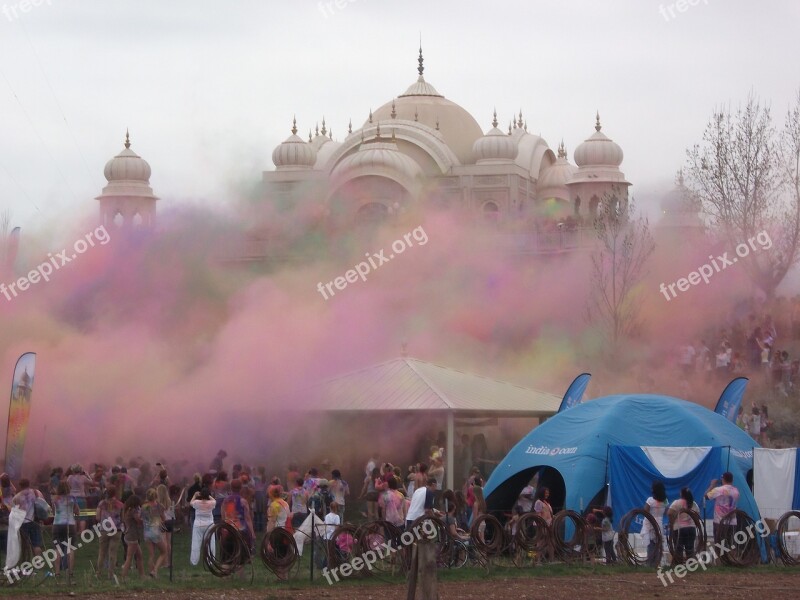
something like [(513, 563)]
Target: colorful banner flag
[(19, 410), (575, 392), (731, 399)]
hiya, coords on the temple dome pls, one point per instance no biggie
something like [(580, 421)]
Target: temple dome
[(558, 175), (294, 153), (495, 146), (127, 166), (598, 150), (421, 102)]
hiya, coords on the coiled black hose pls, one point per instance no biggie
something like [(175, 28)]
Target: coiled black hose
[(533, 533), (234, 550), (739, 552), (279, 551), (339, 548), (490, 542), (566, 548), (700, 534), (780, 531), (375, 536), (624, 547)]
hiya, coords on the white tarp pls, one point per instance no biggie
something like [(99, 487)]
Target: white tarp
[(13, 549), (675, 462), (303, 533), (773, 480)]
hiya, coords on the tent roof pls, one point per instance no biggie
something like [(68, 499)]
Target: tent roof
[(408, 384), (576, 441)]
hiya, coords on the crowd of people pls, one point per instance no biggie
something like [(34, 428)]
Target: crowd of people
[(147, 507), (753, 344)]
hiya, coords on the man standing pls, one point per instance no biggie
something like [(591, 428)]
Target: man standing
[(236, 511), (421, 502), (526, 497), (726, 496), (26, 500)]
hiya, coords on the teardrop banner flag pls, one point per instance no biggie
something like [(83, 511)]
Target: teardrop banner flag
[(575, 392), (19, 410), (731, 399)]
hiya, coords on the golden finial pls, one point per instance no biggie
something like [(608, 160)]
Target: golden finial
[(316, 131), (294, 125), (597, 126), (127, 139), (562, 151), (420, 69), (494, 120), (323, 131), (394, 112), (519, 122)]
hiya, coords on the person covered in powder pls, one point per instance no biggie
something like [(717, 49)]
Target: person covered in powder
[(236, 511), (339, 489)]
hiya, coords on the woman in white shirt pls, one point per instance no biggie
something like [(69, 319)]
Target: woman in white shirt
[(656, 505), (203, 505), (684, 525)]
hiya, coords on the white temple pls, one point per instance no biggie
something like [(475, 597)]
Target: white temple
[(421, 147)]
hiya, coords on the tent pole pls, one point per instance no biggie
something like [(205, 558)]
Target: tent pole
[(450, 468)]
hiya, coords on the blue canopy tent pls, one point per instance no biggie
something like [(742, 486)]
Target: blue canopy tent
[(572, 452)]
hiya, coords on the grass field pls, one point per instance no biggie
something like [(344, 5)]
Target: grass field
[(188, 580)]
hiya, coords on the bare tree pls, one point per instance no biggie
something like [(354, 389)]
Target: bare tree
[(618, 265), (745, 174)]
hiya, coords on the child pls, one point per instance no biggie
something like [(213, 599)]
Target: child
[(514, 522), (608, 535)]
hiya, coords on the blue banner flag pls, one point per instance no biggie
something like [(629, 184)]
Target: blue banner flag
[(731, 399), (575, 392)]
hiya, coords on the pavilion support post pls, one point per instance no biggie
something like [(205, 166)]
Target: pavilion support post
[(450, 452)]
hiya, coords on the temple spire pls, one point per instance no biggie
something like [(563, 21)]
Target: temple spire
[(294, 125), (562, 151), (494, 120), (597, 126), (420, 60), (127, 139), (323, 131), (519, 122), (350, 126)]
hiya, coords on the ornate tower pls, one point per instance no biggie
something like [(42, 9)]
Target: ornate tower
[(128, 199)]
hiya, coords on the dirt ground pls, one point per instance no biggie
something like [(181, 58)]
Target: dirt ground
[(628, 586)]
